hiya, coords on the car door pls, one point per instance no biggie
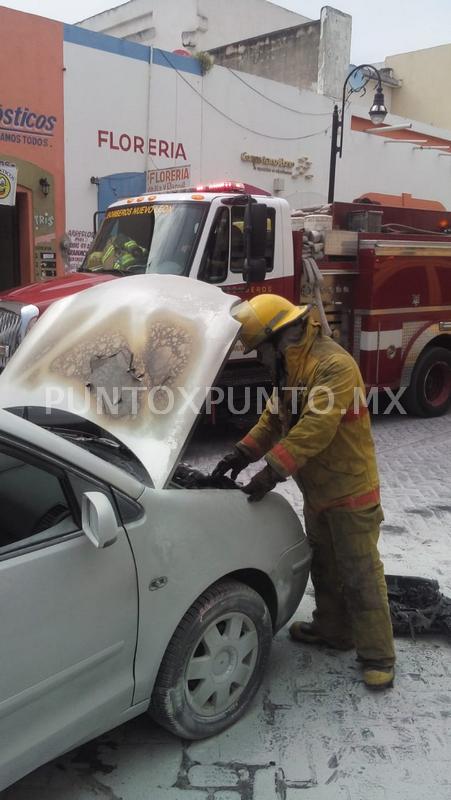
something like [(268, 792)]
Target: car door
[(68, 616)]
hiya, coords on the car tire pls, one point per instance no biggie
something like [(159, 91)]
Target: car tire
[(214, 662), (429, 392)]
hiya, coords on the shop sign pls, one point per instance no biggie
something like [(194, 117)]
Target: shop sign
[(80, 242), (8, 183), (45, 220), (267, 164), (299, 168), (127, 143), (166, 180), (47, 264), (20, 125)]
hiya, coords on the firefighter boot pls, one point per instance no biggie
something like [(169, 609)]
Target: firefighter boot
[(307, 633), (377, 678)]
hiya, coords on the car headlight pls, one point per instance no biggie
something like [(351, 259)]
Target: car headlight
[(31, 325), (29, 317)]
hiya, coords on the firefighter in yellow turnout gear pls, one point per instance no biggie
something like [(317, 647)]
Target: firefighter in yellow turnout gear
[(120, 253), (317, 429)]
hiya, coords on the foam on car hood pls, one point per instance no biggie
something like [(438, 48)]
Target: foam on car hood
[(136, 356)]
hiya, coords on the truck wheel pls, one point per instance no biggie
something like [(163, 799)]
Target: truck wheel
[(429, 392), (214, 662)]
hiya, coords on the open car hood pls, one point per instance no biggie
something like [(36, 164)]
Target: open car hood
[(135, 356)]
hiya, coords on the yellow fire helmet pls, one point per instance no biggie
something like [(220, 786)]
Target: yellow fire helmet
[(264, 315)]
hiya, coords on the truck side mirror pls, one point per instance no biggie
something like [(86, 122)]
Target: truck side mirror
[(255, 232), (254, 270)]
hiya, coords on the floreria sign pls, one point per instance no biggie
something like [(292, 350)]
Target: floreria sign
[(164, 180), (137, 144)]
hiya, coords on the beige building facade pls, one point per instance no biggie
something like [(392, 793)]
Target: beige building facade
[(423, 93)]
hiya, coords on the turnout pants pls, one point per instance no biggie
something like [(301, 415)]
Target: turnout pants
[(348, 578)]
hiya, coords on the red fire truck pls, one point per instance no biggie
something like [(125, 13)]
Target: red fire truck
[(383, 273)]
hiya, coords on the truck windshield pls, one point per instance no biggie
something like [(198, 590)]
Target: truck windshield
[(156, 238)]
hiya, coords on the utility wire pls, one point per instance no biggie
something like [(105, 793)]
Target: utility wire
[(238, 124), (275, 102)]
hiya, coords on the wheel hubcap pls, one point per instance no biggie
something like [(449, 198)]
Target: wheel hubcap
[(225, 662), (221, 664)]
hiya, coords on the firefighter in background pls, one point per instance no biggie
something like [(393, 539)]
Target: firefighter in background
[(317, 429), (120, 253)]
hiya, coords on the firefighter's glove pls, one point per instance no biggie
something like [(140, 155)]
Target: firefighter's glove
[(236, 462), (262, 483)]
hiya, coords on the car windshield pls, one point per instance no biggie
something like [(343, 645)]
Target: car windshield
[(154, 237)]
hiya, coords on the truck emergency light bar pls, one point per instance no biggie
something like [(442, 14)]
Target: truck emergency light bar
[(234, 187), (225, 187)]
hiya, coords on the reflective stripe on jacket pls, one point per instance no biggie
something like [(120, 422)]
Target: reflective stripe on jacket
[(326, 444)]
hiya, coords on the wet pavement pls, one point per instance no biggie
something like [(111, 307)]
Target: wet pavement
[(314, 732)]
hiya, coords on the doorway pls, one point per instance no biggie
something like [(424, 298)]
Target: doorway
[(9, 247)]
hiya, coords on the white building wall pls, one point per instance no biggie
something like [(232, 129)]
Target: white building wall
[(371, 165), (102, 92), (200, 24), (265, 129)]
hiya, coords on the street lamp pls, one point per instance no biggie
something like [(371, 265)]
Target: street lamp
[(45, 186), (377, 112)]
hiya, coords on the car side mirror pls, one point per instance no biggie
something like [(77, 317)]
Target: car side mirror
[(255, 232), (98, 519)]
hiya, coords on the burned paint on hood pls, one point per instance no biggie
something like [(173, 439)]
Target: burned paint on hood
[(136, 357)]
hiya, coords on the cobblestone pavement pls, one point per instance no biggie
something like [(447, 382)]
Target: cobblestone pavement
[(314, 732)]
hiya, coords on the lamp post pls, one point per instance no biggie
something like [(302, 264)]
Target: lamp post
[(377, 113)]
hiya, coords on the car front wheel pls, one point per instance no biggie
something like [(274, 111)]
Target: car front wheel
[(214, 662)]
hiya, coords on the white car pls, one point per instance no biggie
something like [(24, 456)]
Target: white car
[(121, 592)]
